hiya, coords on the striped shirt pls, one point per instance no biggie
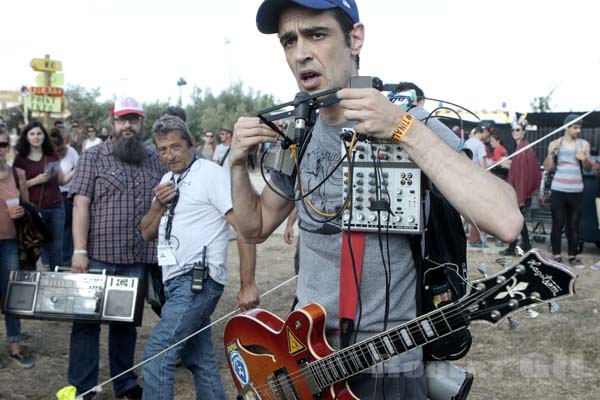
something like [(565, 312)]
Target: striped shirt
[(567, 177), (120, 194)]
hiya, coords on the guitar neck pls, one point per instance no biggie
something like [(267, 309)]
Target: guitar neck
[(347, 362)]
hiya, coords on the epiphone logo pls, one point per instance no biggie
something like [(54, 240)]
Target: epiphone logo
[(547, 280)]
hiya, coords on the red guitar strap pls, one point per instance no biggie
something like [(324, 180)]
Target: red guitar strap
[(350, 273)]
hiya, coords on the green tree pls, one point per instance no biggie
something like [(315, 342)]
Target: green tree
[(85, 107), (209, 112), (151, 112), (542, 103)]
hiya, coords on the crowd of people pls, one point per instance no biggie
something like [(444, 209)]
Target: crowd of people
[(116, 204), (568, 157), (125, 208)]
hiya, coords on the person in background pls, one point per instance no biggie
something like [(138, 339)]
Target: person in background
[(498, 154), (104, 133), (9, 252), (477, 149), (112, 191), (208, 146), (91, 140), (524, 176), (221, 155), (76, 137), (37, 157), (60, 125), (68, 160), (190, 216), (568, 155)]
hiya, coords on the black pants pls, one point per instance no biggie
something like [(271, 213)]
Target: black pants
[(525, 243), (566, 211)]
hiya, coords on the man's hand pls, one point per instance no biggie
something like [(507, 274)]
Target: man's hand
[(288, 234), (247, 133), (165, 192), (553, 147), (375, 115), (581, 154), (247, 298), (79, 263)]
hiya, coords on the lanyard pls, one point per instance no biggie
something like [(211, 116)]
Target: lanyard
[(173, 203)]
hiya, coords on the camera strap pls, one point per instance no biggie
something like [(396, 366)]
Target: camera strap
[(173, 203)]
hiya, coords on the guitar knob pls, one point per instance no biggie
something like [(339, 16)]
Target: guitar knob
[(501, 279), (513, 304), (535, 296), (495, 315)]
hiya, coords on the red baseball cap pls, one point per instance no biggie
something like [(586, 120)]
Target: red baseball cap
[(126, 105)]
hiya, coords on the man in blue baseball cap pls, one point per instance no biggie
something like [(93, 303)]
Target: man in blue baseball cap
[(321, 41)]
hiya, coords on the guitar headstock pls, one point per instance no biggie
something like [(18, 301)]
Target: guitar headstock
[(532, 281)]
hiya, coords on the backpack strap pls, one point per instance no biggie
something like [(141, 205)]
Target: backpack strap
[(21, 182)]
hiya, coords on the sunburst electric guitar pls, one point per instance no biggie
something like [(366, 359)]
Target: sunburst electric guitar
[(274, 359)]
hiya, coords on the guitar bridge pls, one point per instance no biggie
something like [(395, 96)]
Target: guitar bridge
[(282, 386)]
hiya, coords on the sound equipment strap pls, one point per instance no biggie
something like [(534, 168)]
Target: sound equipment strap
[(350, 273)]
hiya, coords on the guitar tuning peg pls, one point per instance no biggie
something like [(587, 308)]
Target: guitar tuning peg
[(482, 268), (512, 323)]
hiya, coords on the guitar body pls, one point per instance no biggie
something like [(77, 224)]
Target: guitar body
[(291, 360), (265, 354)]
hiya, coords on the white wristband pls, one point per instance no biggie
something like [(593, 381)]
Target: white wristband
[(79, 251)]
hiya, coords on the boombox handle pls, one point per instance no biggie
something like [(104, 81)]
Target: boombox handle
[(90, 271)]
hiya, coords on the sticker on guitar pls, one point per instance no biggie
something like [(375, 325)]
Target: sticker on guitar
[(276, 359)]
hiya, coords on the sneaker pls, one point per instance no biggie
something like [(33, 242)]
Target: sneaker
[(508, 252), (576, 262), (478, 245), (596, 266), (21, 359), (135, 393), (553, 306), (531, 313)]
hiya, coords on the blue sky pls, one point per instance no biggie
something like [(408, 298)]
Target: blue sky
[(475, 53)]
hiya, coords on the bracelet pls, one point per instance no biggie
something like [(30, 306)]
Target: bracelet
[(79, 251), (402, 127)]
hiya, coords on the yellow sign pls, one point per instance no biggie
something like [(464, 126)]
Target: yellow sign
[(9, 96), (46, 65), (294, 345), (44, 103), (56, 79)]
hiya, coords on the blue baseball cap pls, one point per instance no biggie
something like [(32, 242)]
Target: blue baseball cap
[(267, 17)]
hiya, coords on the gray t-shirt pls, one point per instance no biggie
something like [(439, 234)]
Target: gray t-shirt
[(477, 148), (320, 247)]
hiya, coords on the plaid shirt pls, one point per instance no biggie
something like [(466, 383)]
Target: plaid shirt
[(120, 194)]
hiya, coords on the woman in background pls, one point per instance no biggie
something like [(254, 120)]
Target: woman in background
[(36, 156), (11, 197)]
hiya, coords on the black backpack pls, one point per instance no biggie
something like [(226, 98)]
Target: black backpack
[(440, 256)]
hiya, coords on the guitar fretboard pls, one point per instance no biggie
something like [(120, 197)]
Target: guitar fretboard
[(356, 358)]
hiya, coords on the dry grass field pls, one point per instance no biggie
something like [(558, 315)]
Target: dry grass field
[(554, 356)]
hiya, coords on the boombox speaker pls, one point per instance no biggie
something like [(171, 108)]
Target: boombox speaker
[(74, 297)]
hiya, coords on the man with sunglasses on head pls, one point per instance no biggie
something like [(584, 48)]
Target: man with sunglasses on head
[(112, 191), (190, 216)]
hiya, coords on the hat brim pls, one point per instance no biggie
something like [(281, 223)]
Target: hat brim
[(121, 113), (267, 16)]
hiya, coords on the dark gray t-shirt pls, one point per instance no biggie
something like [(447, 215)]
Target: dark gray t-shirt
[(320, 247)]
